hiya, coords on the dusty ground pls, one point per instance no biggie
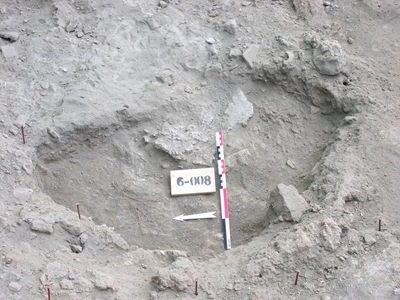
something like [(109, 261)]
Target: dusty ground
[(115, 94)]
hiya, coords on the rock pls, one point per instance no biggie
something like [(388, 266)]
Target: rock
[(23, 194), (291, 164), (330, 234), (83, 284), (282, 40), (177, 277), (72, 225), (72, 25), (120, 242), (311, 39), (53, 133), (234, 53), (350, 40), (11, 36), (163, 4), (250, 55), (368, 239), (8, 51), (103, 281), (350, 119), (20, 120), (278, 220), (45, 85), (76, 248), (231, 27), (302, 238), (14, 286), (315, 109), (53, 271), (307, 7), (174, 254), (83, 238), (290, 56), (212, 69), (178, 141), (87, 29), (66, 284), (42, 225), (240, 158), (286, 201), (328, 58), (153, 295), (108, 236), (239, 111), (210, 40)]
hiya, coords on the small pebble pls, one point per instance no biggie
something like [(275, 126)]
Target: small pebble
[(369, 239), (14, 286), (210, 41)]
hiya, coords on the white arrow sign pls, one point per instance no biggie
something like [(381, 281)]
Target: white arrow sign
[(197, 216)]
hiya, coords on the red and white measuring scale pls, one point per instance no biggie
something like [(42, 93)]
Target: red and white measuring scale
[(223, 191)]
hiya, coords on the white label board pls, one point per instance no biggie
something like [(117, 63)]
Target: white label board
[(193, 181)]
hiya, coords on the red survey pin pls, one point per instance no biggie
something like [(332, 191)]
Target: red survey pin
[(23, 133), (79, 210), (297, 277)]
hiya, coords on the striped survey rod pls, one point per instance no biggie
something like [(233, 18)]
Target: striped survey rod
[(223, 191)]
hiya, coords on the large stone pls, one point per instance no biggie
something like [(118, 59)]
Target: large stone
[(72, 225), (8, 51), (183, 143), (250, 55), (177, 277), (43, 225), (239, 111), (54, 270), (328, 58), (329, 234), (23, 194), (103, 281), (238, 159), (370, 240), (14, 286), (286, 202), (231, 26), (307, 8), (11, 36), (66, 284)]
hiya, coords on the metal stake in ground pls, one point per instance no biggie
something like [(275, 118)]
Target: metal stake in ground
[(297, 277), (48, 292), (196, 287), (79, 210), (23, 134)]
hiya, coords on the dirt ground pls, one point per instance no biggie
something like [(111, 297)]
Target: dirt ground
[(113, 95)]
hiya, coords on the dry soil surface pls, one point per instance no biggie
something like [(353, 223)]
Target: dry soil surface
[(114, 94)]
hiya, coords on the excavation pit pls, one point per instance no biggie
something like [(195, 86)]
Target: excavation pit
[(120, 175)]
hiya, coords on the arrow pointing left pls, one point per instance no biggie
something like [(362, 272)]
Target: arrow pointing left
[(206, 215)]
